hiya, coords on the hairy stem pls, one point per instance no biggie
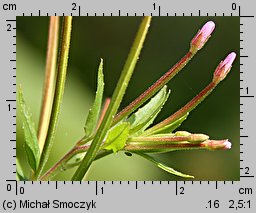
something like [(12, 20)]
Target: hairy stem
[(57, 167), (58, 96), (154, 88), (116, 99), (196, 44), (195, 138), (104, 110), (76, 150), (49, 82), (161, 147), (149, 147), (185, 109)]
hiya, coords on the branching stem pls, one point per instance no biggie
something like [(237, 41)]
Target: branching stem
[(115, 101)]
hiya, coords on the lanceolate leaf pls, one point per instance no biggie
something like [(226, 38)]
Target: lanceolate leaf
[(146, 114), (163, 166), (117, 137), (172, 126), (31, 144), (19, 173), (93, 116)]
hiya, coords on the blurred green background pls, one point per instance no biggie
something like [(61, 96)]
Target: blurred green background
[(168, 40)]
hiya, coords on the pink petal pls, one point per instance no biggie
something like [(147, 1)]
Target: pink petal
[(207, 29), (229, 60)]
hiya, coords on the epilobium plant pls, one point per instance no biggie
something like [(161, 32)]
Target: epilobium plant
[(106, 130)]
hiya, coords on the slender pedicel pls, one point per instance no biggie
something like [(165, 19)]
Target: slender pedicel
[(220, 73), (196, 44)]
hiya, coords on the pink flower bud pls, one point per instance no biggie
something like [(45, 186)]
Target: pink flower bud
[(223, 68), (216, 144), (202, 36), (227, 144)]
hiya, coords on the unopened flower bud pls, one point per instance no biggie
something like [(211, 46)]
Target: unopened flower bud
[(223, 68), (198, 138), (217, 144), (202, 36)]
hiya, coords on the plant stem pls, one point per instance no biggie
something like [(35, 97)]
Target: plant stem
[(196, 44), (161, 147), (76, 150), (197, 138), (53, 170), (143, 147), (116, 99), (85, 139), (49, 82), (181, 112), (58, 96), (104, 110), (154, 88), (220, 73)]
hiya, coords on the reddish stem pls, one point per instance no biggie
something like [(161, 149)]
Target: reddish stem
[(49, 82), (166, 147), (65, 158), (103, 112), (153, 89), (187, 108)]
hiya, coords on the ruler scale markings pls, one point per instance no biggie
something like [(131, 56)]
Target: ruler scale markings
[(136, 183), (96, 187), (176, 187)]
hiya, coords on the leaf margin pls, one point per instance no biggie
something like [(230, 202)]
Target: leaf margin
[(156, 103), (31, 145), (111, 144), (94, 112), (163, 166)]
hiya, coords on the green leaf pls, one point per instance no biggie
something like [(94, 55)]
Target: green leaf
[(146, 114), (172, 126), (117, 137), (19, 173), (93, 116), (31, 144), (163, 166)]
